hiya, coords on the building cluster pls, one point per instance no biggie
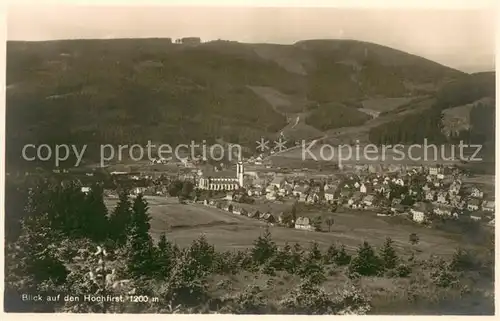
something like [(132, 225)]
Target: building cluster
[(302, 223), (420, 192)]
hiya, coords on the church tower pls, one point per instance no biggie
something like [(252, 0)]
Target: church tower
[(239, 173)]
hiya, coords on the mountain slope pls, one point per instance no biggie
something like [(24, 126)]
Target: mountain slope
[(133, 90)]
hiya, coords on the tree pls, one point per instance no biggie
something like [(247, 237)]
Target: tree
[(140, 245), (120, 219), (295, 258), (342, 258), (175, 188), (282, 258), (95, 214), (312, 269), (330, 254), (164, 257), (294, 212), (317, 221), (33, 257), (366, 262), (187, 188), (388, 255), (414, 239), (315, 252), (329, 222), (287, 219), (263, 248), (203, 254)]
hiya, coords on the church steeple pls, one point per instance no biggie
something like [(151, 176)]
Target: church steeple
[(239, 173)]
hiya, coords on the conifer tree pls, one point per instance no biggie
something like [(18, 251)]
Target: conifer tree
[(315, 252), (330, 254), (295, 258), (312, 267), (281, 260), (342, 258), (264, 248), (203, 254), (366, 262), (34, 255), (388, 254), (140, 245), (164, 257), (95, 214), (120, 219)]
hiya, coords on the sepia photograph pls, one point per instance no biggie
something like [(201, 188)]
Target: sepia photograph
[(249, 159)]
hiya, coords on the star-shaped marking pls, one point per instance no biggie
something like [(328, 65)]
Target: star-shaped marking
[(280, 144), (262, 144)]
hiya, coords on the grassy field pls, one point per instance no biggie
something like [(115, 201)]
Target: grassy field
[(184, 223), (413, 295)]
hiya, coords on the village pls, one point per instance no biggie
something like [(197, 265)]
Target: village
[(279, 195)]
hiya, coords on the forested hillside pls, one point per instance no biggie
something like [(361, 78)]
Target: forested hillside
[(134, 90), (429, 123)]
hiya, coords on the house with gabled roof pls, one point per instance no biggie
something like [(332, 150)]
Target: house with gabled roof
[(355, 198), (477, 193), (488, 206), (442, 210), (473, 204), (429, 195), (300, 190), (330, 194), (420, 210), (268, 217), (369, 200), (254, 214), (303, 223), (345, 193), (442, 197)]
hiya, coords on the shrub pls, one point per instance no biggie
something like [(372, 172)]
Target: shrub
[(186, 285), (442, 276), (250, 301), (268, 268), (463, 261), (307, 299), (352, 301), (400, 271), (414, 239)]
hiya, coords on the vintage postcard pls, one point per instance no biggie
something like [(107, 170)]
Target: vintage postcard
[(249, 159)]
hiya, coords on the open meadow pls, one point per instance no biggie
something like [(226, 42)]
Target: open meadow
[(184, 223)]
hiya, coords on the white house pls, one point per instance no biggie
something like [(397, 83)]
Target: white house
[(442, 210), (442, 197), (303, 223), (473, 205), (329, 194), (85, 189), (489, 206), (477, 193), (369, 200), (420, 211)]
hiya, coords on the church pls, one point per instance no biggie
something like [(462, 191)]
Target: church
[(222, 180)]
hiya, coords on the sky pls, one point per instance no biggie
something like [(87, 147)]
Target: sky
[(460, 38)]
